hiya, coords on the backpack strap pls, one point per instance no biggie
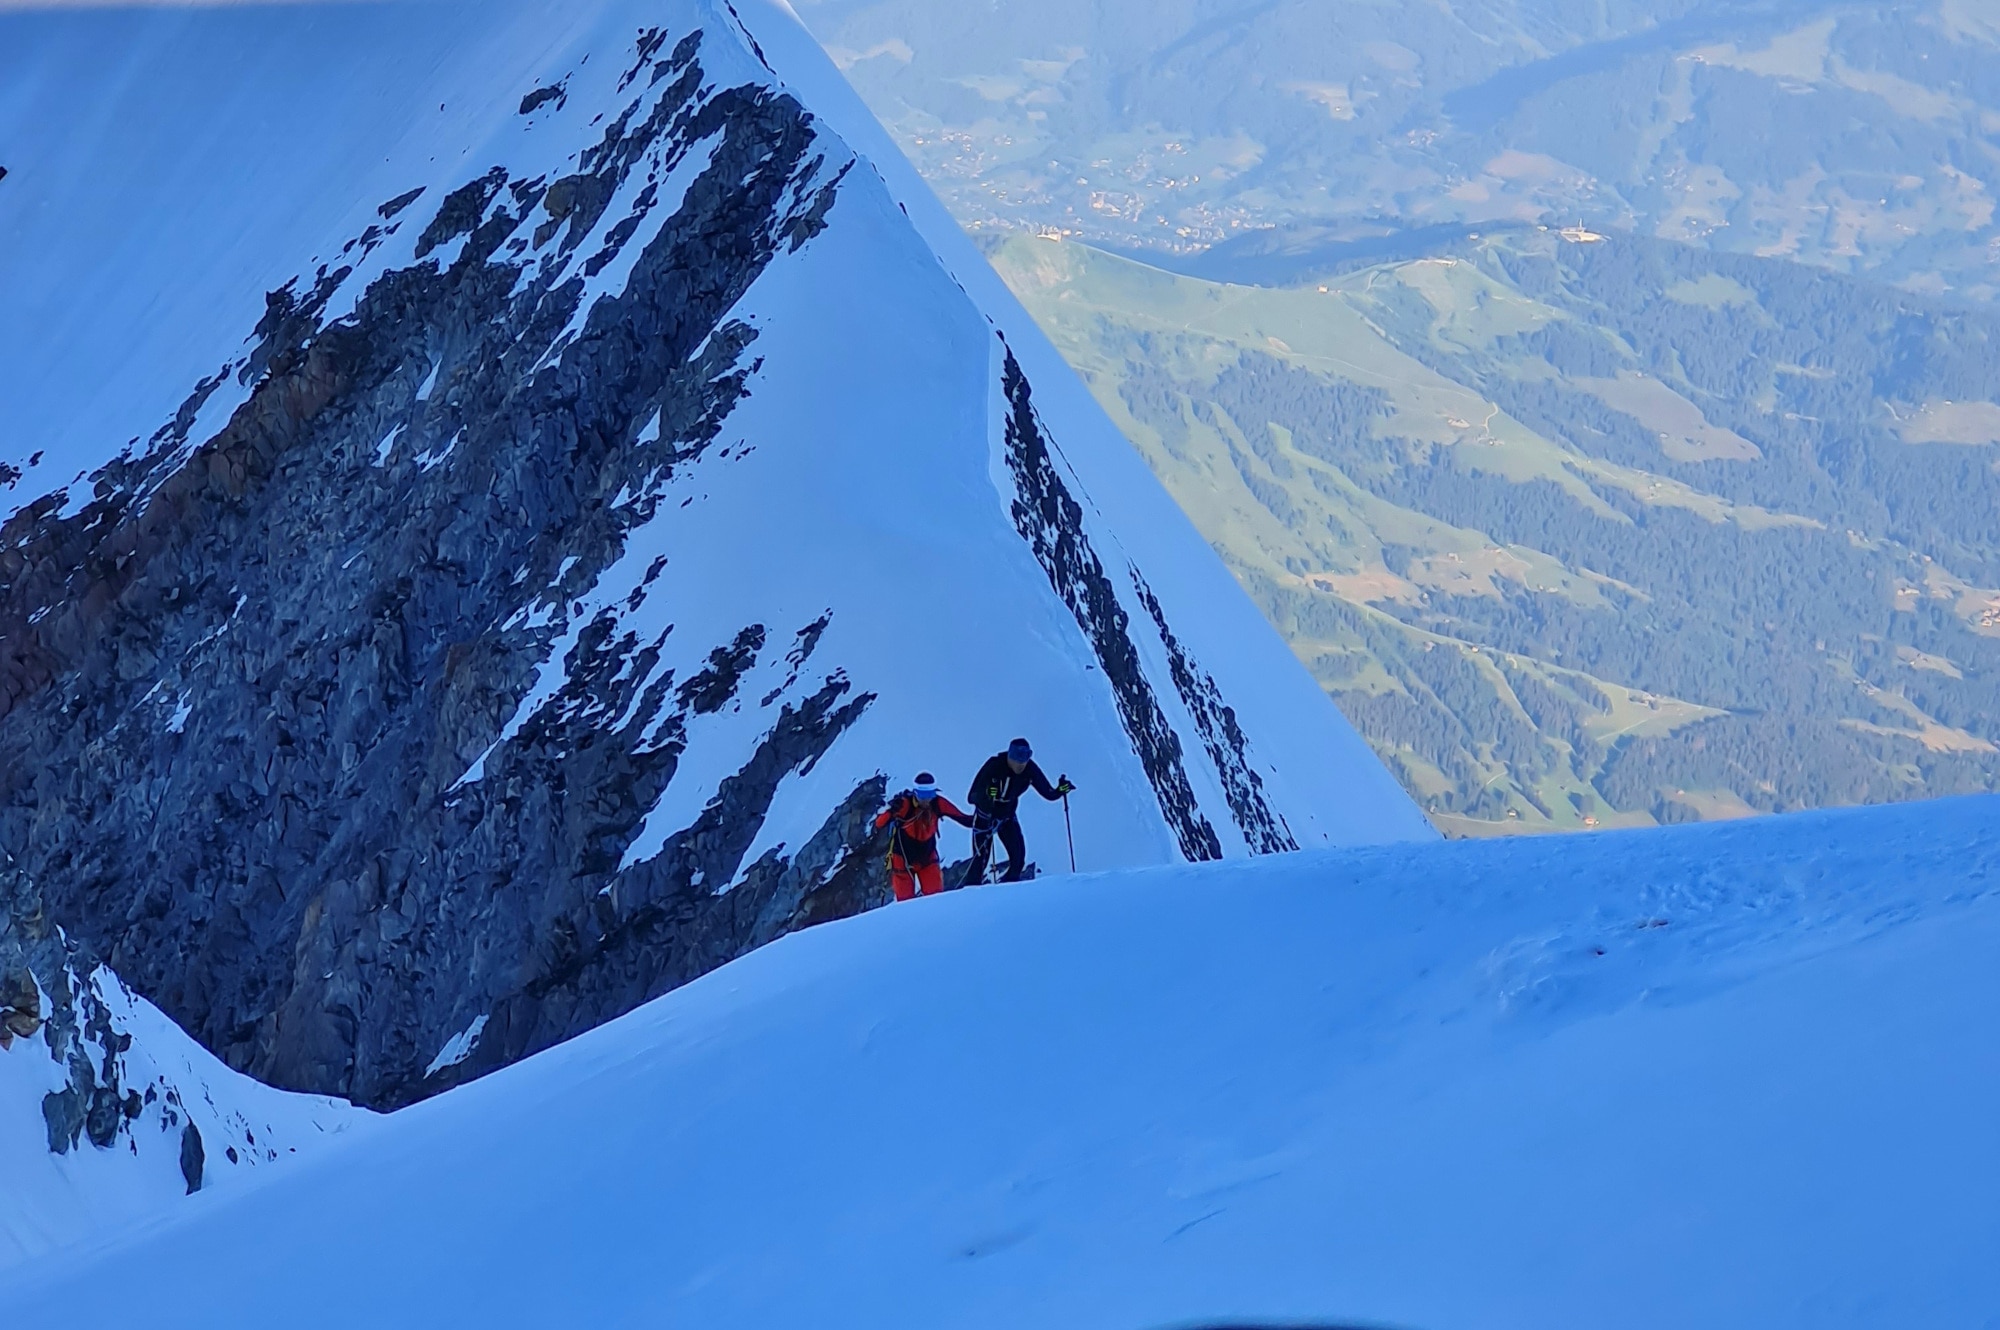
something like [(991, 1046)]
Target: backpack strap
[(899, 813)]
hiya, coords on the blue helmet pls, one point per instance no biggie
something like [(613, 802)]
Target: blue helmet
[(1019, 750), (926, 786)]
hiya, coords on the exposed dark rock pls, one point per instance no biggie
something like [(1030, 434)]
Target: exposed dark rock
[(77, 1031), (649, 44), (463, 210), (1228, 747), (63, 1113), (396, 205), (174, 434), (193, 1159), (803, 647), (1051, 521), (749, 38), (540, 97), (104, 1116), (80, 1037), (241, 688), (20, 1005), (709, 691), (289, 321)]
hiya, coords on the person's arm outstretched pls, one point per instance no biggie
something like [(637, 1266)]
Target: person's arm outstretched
[(954, 812), (1042, 786)]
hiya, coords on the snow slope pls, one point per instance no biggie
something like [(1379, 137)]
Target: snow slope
[(221, 157), (245, 1130), (1726, 1075), (494, 558)]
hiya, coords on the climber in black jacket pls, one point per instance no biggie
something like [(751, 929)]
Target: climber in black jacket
[(996, 792)]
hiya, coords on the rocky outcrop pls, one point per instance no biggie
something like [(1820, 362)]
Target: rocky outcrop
[(194, 1159), (1221, 735), (98, 1103), (403, 706), (291, 776), (1051, 521), (93, 1069), (20, 1006)]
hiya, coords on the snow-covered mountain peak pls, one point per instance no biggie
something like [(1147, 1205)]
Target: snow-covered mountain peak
[(595, 494), (567, 540)]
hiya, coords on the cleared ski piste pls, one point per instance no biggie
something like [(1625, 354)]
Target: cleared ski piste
[(1728, 1075)]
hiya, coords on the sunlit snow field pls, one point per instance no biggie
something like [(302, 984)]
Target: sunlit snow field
[(1737, 1075)]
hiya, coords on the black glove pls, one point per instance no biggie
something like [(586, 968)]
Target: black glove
[(1063, 786)]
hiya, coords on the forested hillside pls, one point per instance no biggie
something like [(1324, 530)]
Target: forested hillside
[(1586, 530), (1688, 514)]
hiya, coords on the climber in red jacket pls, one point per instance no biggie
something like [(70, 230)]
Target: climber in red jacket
[(913, 852)]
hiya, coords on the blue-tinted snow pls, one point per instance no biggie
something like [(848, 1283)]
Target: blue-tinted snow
[(1720, 1076), (230, 148), (249, 1132)]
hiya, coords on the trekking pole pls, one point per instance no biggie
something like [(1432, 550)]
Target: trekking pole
[(968, 882), (1069, 831)]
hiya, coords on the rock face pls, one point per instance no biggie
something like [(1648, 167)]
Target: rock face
[(20, 1006), (401, 707), (322, 697), (140, 1113)]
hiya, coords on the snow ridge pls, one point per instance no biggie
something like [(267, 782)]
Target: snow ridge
[(1052, 523), (600, 525), (1731, 1075)]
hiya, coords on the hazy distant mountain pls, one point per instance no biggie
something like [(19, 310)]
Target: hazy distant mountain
[(1852, 135)]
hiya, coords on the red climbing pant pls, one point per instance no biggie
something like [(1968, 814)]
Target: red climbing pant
[(930, 877)]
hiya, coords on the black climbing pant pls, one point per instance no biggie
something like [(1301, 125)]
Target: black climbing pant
[(1009, 831)]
